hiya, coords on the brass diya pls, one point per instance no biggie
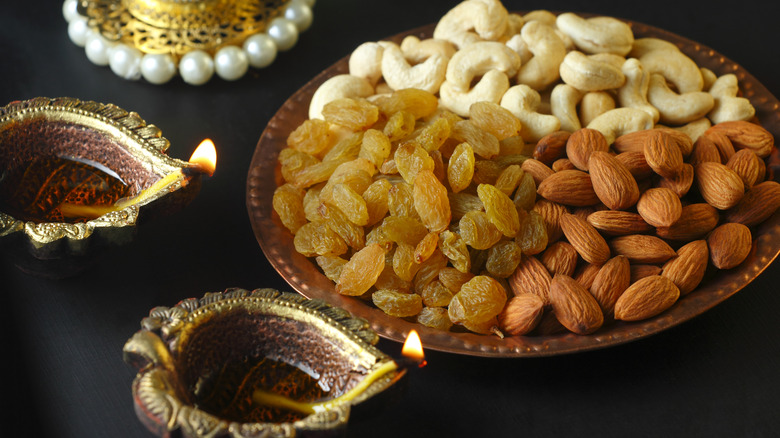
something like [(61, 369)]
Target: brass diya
[(201, 361), (58, 152)]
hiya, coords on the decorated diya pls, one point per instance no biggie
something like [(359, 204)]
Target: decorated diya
[(77, 176), (260, 363)]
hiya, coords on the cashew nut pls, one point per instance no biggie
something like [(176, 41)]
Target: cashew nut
[(541, 15), (620, 121), (709, 77), (728, 107), (471, 21), (563, 105), (674, 65), (633, 93), (586, 73), (677, 109), (490, 88), (594, 104), (644, 45), (549, 51), (518, 44), (477, 59), (693, 129), (416, 50), (337, 87), (366, 61), (597, 34), (399, 74), (523, 101)]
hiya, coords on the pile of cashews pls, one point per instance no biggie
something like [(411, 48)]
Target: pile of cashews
[(561, 72)]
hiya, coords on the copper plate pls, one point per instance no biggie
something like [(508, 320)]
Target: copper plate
[(304, 276)]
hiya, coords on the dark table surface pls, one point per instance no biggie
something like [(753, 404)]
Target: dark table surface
[(715, 375)]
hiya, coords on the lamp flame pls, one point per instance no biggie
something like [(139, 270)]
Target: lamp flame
[(205, 157), (413, 348)]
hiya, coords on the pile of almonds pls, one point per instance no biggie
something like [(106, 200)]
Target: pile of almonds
[(647, 215)]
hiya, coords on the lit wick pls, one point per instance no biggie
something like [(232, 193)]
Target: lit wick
[(413, 356), (202, 161)]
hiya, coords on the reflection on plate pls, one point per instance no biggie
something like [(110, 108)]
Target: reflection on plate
[(304, 275)]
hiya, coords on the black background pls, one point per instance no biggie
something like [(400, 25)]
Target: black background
[(716, 375)]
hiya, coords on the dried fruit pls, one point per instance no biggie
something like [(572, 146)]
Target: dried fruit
[(460, 169), (312, 136), (288, 204), (435, 294), (479, 300), (495, 119), (431, 202), (501, 211), (729, 245), (411, 159), (434, 317), (317, 238), (361, 271), (646, 298), (484, 143), (376, 147), (398, 126), (396, 303), (503, 259), (353, 114), (574, 306), (452, 246)]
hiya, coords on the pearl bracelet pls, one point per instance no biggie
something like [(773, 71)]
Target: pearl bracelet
[(196, 67)]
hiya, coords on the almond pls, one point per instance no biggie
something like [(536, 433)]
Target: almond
[(618, 223), (747, 135), (582, 143), (721, 142), (551, 147), (662, 153), (631, 142), (574, 306), (586, 274), (560, 258), (538, 170), (729, 245), (521, 314), (760, 202), (748, 166), (568, 187), (612, 279), (704, 149), (680, 183), (562, 164), (590, 245), (641, 271), (646, 298), (612, 181), (641, 248), (687, 269), (684, 142), (636, 164), (719, 185), (659, 207), (551, 213), (695, 221), (531, 277)]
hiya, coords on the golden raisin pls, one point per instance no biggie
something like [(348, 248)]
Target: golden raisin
[(431, 202), (396, 303), (460, 168), (353, 114), (361, 271), (288, 204), (501, 211), (312, 136)]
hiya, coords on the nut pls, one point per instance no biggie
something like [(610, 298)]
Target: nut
[(613, 183), (574, 306), (610, 282), (568, 187), (531, 277), (585, 239), (662, 154), (597, 34), (560, 258), (687, 269), (659, 207), (647, 297), (719, 185), (746, 135), (729, 245), (521, 314), (695, 221), (641, 248), (582, 143), (618, 223), (551, 147), (748, 166), (760, 202)]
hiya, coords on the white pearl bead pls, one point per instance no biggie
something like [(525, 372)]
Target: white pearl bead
[(300, 14), (97, 48), (231, 63), (260, 49), (69, 10), (284, 33), (196, 67), (125, 61), (77, 31), (158, 68)]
